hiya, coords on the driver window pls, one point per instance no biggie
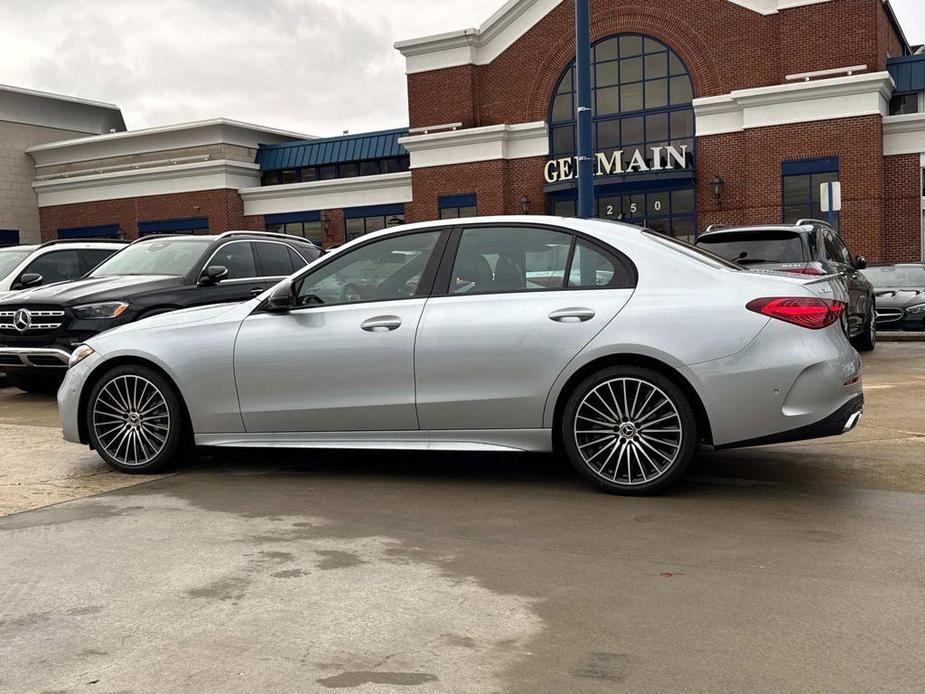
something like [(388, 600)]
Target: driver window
[(384, 270), (56, 266)]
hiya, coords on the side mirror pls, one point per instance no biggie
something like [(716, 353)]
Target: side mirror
[(213, 275), (28, 279), (280, 299), (860, 262)]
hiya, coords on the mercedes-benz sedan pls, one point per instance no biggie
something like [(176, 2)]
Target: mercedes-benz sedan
[(619, 347)]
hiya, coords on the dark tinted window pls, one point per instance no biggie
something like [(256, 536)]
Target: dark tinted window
[(756, 246), (592, 267), (274, 259), (238, 257), (510, 260), (56, 266), (91, 257), (907, 277)]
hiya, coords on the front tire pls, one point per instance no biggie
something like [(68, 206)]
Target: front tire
[(135, 420), (629, 430)]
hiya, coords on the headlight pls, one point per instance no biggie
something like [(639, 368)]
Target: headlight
[(110, 309), (79, 354), (917, 309)]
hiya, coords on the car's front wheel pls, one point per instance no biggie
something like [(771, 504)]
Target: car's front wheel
[(629, 430), (867, 340), (135, 420)]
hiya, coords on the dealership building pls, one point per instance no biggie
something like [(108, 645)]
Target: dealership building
[(705, 112)]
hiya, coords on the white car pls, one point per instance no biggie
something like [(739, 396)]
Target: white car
[(22, 267)]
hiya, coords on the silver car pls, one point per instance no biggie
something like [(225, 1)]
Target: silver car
[(621, 348)]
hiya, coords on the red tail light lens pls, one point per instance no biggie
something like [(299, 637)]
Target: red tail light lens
[(807, 312)]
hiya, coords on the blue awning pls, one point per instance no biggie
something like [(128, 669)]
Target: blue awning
[(908, 72), (465, 200), (9, 237), (173, 226), (797, 167), (374, 211), (102, 231), (332, 150)]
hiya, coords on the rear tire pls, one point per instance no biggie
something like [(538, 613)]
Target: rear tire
[(866, 341), (629, 430), (39, 384), (136, 421)]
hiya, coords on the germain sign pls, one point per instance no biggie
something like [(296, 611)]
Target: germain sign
[(667, 158)]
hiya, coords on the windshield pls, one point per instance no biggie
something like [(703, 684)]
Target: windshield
[(696, 252), (911, 277), (10, 258), (161, 257), (756, 246)]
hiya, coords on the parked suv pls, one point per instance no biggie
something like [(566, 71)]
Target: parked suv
[(22, 267), (809, 247), (40, 327)]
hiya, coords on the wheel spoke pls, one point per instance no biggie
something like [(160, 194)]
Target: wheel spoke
[(131, 420)]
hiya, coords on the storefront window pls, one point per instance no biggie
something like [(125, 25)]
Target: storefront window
[(642, 97), (802, 189), (359, 221), (904, 103)]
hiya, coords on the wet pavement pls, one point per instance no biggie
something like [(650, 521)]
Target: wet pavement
[(788, 568)]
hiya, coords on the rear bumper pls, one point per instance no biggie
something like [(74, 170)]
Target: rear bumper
[(12, 358), (843, 420)]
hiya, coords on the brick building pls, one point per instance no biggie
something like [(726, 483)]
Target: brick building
[(705, 111)]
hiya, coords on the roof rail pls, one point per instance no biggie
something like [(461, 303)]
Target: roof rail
[(801, 222), (717, 227), (55, 242), (269, 234)]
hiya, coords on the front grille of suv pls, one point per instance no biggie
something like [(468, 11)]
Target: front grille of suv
[(31, 320)]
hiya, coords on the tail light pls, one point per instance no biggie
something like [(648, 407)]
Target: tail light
[(808, 270), (807, 312)]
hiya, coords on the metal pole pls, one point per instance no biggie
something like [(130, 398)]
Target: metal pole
[(584, 113), (831, 205)]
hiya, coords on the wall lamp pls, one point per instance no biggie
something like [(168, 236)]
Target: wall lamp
[(717, 184), (525, 204)]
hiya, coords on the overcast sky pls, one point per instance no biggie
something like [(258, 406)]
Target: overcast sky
[(312, 66)]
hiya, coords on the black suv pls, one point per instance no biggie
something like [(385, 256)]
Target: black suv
[(40, 327), (809, 247)]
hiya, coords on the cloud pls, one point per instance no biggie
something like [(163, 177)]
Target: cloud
[(315, 66)]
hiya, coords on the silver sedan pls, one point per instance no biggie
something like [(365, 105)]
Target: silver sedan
[(620, 348)]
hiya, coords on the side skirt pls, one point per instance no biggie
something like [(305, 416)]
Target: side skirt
[(521, 440)]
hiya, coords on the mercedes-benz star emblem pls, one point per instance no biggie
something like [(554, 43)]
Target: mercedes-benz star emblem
[(22, 320)]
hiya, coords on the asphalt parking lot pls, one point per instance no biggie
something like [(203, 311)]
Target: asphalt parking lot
[(787, 568)]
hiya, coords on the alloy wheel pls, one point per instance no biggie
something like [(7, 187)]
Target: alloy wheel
[(628, 431), (131, 420)]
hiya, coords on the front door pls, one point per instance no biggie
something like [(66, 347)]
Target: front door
[(521, 302), (343, 358)]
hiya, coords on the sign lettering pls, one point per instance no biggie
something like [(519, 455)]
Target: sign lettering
[(609, 164)]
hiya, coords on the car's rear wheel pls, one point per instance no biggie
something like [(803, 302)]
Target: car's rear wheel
[(867, 340), (629, 430), (135, 420), (43, 384)]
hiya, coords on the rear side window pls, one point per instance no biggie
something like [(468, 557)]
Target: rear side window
[(238, 257), (756, 246), (297, 260), (274, 259), (592, 267), (56, 266)]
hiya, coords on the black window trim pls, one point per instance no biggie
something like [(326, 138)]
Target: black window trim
[(617, 257)]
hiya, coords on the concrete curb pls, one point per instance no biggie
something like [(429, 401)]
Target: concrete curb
[(897, 336)]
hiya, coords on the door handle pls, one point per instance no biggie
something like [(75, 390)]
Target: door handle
[(572, 315), (257, 291), (381, 324)]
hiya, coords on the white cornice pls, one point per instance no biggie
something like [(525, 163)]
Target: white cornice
[(335, 194), (801, 102), (475, 46), (478, 144), (165, 180), (904, 134), (158, 139), (46, 110)]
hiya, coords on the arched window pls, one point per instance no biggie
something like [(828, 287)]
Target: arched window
[(642, 94)]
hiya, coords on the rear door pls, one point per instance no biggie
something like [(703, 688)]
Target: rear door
[(512, 306)]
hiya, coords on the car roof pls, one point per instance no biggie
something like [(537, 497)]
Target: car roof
[(241, 234)]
